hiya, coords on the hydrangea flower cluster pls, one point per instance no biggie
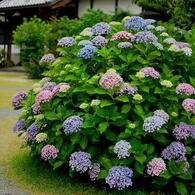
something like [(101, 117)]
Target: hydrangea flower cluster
[(176, 151), (49, 152), (85, 42), (187, 51), (174, 48), (36, 108), (19, 126), (110, 80), (61, 87), (150, 72), (170, 40), (156, 166), (121, 148), (66, 41), (87, 52), (125, 45), (119, 177), (95, 102), (153, 123), (101, 28), (185, 88), (150, 21), (126, 88), (32, 131), (181, 45), (121, 35), (99, 41), (17, 99), (150, 27), (49, 86), (72, 124), (94, 171), (189, 105), (41, 137), (44, 96), (144, 36), (166, 83), (135, 23), (162, 114), (86, 32), (80, 161), (159, 46), (160, 28), (47, 58)]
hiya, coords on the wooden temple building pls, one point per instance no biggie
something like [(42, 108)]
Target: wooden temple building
[(12, 13)]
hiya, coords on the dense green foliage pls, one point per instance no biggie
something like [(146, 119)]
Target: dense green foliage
[(181, 12), (118, 117)]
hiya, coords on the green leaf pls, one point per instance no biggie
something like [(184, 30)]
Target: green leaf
[(181, 188), (122, 98), (102, 174), (160, 138), (139, 168), (83, 142), (125, 108), (105, 162), (75, 138), (150, 148), (103, 126), (140, 158), (139, 111), (105, 103), (51, 116), (110, 135), (165, 175), (58, 164)]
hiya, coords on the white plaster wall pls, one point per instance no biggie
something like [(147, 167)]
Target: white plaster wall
[(107, 5), (83, 6), (127, 5)]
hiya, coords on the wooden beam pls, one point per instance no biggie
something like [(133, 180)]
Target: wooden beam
[(116, 6), (91, 4), (59, 4)]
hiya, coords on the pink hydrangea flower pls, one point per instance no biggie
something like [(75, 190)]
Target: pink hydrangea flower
[(49, 152), (189, 105), (185, 88), (110, 80), (121, 35), (150, 72), (181, 45), (156, 166), (44, 96), (36, 108)]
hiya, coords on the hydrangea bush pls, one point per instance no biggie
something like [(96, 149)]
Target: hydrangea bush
[(117, 106)]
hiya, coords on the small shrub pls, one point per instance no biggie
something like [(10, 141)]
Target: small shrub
[(118, 106)]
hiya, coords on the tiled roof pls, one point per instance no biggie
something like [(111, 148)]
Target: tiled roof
[(23, 3)]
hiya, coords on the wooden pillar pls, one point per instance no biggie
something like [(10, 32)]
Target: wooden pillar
[(91, 4), (116, 6)]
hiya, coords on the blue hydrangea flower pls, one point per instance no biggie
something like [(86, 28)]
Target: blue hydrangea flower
[(150, 27), (162, 114), (153, 123), (19, 126), (119, 177), (85, 42), (125, 45), (80, 161), (159, 46), (144, 36), (32, 131), (72, 124), (66, 41), (101, 28), (121, 148), (186, 168), (176, 151), (87, 52), (135, 23)]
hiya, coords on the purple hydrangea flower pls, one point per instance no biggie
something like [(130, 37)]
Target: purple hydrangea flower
[(181, 45), (72, 124), (125, 45), (170, 40), (119, 177), (186, 168), (36, 108), (47, 58), (121, 35), (66, 41), (153, 123), (101, 28), (19, 126), (156, 166), (126, 88), (80, 161), (189, 105), (49, 86), (87, 52), (61, 87), (150, 72), (185, 88), (110, 80), (32, 131), (44, 96), (85, 42), (99, 41), (176, 151), (144, 36), (162, 114), (190, 32), (121, 148), (17, 99), (49, 152), (94, 171), (135, 23), (183, 131)]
